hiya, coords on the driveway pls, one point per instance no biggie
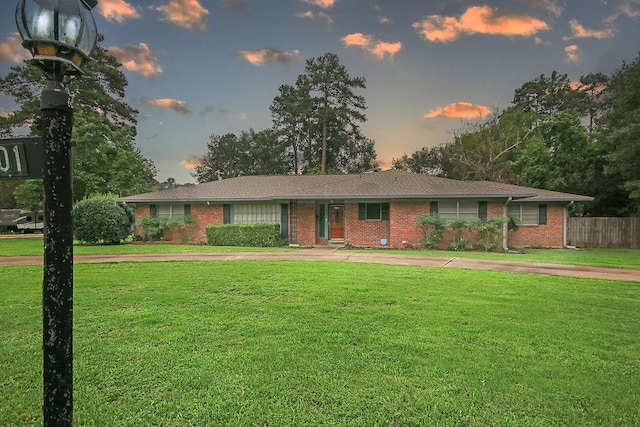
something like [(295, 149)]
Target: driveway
[(378, 257)]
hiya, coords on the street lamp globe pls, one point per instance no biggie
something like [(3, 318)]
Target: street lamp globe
[(60, 34)]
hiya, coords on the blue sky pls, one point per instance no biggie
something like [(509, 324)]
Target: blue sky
[(197, 67)]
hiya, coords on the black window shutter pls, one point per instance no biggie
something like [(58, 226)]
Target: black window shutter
[(362, 211), (385, 210), (187, 209), (482, 210), (153, 211), (433, 207), (284, 220), (542, 214), (226, 214)]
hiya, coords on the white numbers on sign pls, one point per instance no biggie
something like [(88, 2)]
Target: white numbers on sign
[(5, 164), (16, 153), (4, 159)]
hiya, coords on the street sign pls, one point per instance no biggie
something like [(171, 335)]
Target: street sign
[(21, 158)]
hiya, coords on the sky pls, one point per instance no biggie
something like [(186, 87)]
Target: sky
[(202, 67)]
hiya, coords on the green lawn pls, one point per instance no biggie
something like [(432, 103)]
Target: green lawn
[(621, 258), (317, 343)]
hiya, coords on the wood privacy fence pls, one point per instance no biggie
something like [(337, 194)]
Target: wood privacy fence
[(604, 232)]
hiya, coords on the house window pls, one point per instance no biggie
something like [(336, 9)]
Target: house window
[(255, 213), (528, 214), (373, 211), (169, 210), (450, 209)]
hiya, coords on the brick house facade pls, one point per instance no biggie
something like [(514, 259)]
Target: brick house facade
[(364, 210)]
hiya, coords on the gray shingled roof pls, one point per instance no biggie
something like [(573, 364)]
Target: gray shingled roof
[(391, 184)]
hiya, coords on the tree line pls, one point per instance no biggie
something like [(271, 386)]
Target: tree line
[(575, 137), (316, 129)]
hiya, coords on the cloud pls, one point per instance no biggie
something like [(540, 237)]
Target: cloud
[(325, 4), (117, 10), (550, 5), (320, 17), (167, 103), (572, 53), (137, 58), (191, 162), (4, 114), (478, 20), (259, 57), (11, 49), (579, 32), (384, 20), (239, 7), (462, 110), (377, 48), (187, 14)]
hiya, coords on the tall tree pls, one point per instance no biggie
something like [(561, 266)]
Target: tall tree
[(560, 158), (319, 119), (593, 85), (618, 135), (105, 157), (548, 95), (250, 153), (337, 107), (291, 112)]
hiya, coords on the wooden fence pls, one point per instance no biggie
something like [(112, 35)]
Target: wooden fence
[(604, 232)]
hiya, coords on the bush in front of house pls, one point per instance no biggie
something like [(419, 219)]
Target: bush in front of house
[(154, 228), (433, 228), (258, 235), (102, 219)]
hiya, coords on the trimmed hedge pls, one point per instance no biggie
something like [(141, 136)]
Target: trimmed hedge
[(260, 235)]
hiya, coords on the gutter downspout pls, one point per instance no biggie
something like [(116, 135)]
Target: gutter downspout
[(565, 226), (505, 226)]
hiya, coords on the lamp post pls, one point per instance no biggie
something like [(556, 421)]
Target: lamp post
[(60, 34)]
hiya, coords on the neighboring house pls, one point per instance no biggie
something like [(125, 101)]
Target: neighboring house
[(376, 209)]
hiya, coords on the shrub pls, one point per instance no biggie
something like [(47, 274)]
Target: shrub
[(433, 227), (102, 219), (260, 235), (461, 228), (490, 232), (156, 228)]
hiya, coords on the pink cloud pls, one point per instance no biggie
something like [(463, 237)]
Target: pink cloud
[(376, 48), (11, 49), (259, 57), (169, 104), (190, 163), (4, 114), (580, 32), (117, 10), (325, 4), (187, 14), (137, 58), (320, 17), (478, 20), (572, 53), (462, 110)]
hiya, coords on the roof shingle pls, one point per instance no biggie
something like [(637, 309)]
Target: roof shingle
[(391, 184)]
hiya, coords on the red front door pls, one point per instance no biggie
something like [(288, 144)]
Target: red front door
[(336, 221)]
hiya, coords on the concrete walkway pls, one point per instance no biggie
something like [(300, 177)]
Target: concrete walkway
[(378, 257)]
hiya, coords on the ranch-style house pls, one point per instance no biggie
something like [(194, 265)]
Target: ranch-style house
[(377, 209)]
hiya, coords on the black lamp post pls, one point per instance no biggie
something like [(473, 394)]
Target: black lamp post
[(60, 34)]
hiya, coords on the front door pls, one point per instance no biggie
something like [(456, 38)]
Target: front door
[(336, 222)]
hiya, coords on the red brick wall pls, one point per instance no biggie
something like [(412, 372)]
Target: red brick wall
[(306, 223), (203, 215), (550, 235), (365, 233), (400, 230)]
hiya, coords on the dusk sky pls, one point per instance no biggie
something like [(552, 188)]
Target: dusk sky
[(197, 67)]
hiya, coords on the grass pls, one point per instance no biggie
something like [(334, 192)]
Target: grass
[(620, 258), (295, 343)]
